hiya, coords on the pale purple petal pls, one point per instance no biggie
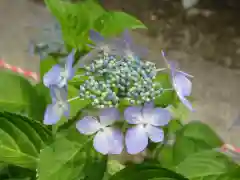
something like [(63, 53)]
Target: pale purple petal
[(127, 38), (52, 77), (154, 133), (159, 117), (88, 125), (69, 65), (58, 94), (101, 142), (108, 116), (186, 102), (116, 142), (130, 47), (52, 114), (149, 105), (96, 37), (186, 74), (133, 115), (147, 111), (66, 108), (173, 66), (136, 139), (182, 84)]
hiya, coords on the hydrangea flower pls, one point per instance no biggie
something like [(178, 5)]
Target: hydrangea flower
[(59, 75), (181, 83), (59, 106), (107, 140), (147, 120)]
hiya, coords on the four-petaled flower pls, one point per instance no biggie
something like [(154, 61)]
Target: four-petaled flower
[(59, 106), (59, 75), (147, 120), (107, 140)]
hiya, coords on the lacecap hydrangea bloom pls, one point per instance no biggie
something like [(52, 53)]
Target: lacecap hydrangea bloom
[(116, 75)]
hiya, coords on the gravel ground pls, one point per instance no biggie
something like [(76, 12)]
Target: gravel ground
[(216, 89)]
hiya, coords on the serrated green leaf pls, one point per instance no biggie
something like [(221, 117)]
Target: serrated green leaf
[(146, 172), (113, 23), (194, 137), (21, 140), (18, 95), (71, 157), (207, 165)]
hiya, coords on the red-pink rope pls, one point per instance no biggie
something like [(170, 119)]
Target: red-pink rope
[(25, 73)]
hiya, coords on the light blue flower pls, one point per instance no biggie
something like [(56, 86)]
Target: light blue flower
[(147, 120), (180, 82), (59, 75), (59, 106), (107, 140)]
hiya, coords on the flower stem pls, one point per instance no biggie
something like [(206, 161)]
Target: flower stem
[(72, 99)]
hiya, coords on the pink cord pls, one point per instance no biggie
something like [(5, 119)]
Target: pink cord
[(227, 147), (26, 73)]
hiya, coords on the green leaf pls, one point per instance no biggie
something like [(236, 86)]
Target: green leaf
[(76, 19), (194, 137), (180, 111), (146, 172), (113, 23), (13, 172), (18, 95), (207, 165), (114, 166), (21, 140), (168, 97), (165, 157), (71, 157)]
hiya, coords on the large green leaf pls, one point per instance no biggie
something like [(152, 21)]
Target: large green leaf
[(146, 172), (21, 140), (207, 165), (71, 157), (18, 95), (76, 19), (113, 23), (16, 173), (194, 137)]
